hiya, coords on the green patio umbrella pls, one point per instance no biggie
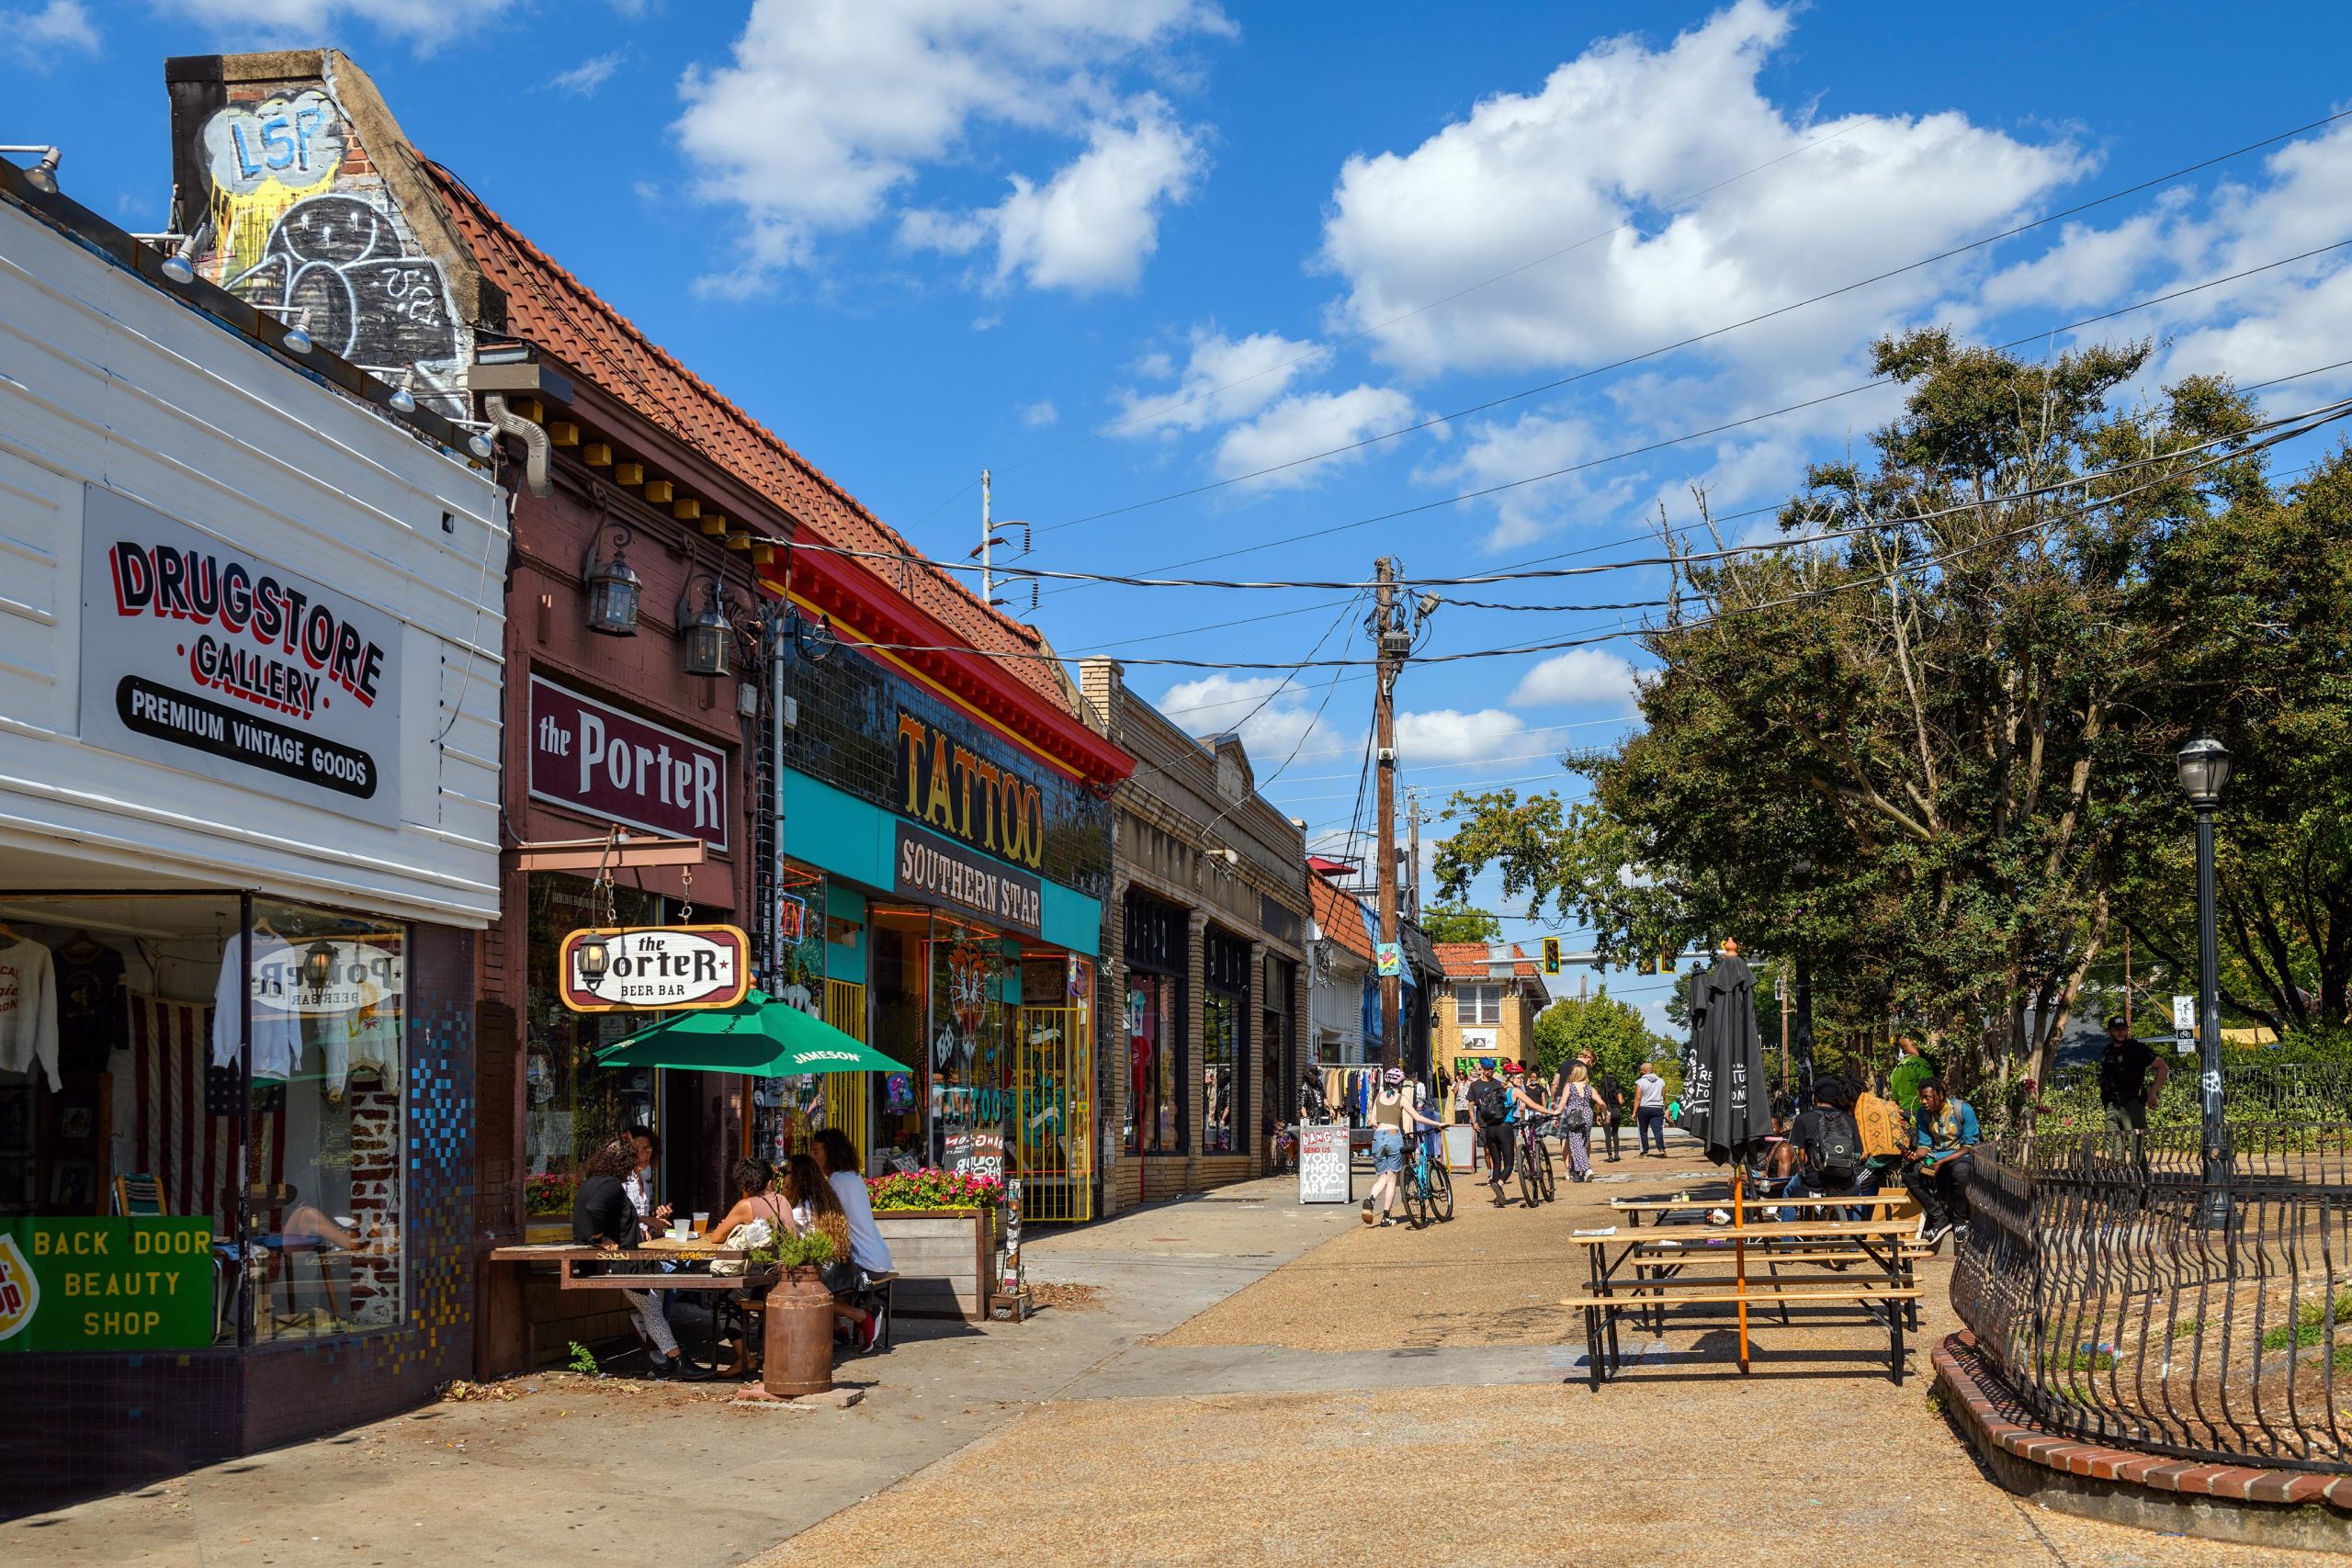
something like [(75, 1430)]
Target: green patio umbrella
[(759, 1035)]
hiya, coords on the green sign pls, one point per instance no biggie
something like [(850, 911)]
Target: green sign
[(85, 1284)]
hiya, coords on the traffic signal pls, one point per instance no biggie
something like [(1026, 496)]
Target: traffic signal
[(1551, 955)]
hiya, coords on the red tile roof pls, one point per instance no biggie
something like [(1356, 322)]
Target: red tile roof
[(547, 305), (1340, 916), (1467, 961)]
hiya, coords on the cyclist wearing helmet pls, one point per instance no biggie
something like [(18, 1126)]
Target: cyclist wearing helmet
[(1391, 1114), (1527, 1111), (1490, 1102)]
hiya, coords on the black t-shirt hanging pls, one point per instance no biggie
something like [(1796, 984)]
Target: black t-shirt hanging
[(92, 1014), (2123, 1073)]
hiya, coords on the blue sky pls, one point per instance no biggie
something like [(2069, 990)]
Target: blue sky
[(1118, 249)]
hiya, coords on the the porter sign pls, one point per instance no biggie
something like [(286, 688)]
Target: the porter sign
[(201, 656), (614, 765), (657, 968)]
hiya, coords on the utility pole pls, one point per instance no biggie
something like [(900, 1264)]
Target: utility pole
[(988, 539), (1393, 642)]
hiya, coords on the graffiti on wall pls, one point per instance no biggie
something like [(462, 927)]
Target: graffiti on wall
[(303, 227)]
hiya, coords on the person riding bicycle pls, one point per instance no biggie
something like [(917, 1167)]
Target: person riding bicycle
[(1392, 1113)]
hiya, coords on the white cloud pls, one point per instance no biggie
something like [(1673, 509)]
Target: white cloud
[(1091, 226), (1603, 151), (1271, 713), (1445, 735), (1507, 451), (255, 22), (1305, 424), (588, 75), (1039, 414), (1578, 676), (1223, 379), (62, 27), (829, 109)]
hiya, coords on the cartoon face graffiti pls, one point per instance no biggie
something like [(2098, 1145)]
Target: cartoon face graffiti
[(335, 263)]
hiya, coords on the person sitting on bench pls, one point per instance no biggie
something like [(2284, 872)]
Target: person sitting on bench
[(1937, 1169)]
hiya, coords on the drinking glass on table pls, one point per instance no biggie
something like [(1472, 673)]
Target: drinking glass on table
[(702, 1221)]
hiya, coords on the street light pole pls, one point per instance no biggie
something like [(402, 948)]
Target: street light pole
[(2204, 765)]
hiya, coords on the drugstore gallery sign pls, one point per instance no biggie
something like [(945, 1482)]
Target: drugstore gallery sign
[(202, 655)]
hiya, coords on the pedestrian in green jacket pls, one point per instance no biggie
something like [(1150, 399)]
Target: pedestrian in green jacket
[(1910, 1073)]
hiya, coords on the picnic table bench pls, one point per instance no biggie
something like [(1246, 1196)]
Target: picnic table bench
[(606, 1274), (1659, 1263)]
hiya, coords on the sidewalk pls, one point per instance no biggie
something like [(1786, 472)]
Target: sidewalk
[(1418, 1396), (671, 1473)]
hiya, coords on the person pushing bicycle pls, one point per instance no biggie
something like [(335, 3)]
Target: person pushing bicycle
[(1393, 1112)]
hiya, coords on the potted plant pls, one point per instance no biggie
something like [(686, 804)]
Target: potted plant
[(945, 1230), (799, 1333)]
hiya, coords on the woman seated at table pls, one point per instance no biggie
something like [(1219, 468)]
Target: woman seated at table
[(760, 1206), (603, 1217), (816, 1206)]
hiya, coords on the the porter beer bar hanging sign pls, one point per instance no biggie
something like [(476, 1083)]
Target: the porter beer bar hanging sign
[(596, 759), (201, 656), (658, 968), (939, 871)]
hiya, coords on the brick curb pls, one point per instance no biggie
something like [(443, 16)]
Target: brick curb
[(2230, 1501)]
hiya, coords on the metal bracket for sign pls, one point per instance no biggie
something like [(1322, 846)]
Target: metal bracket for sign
[(625, 848)]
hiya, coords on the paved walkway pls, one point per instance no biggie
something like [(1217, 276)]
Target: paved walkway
[(1235, 1380)]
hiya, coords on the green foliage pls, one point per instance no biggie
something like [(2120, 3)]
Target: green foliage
[(584, 1360), (2314, 1322), (1459, 923), (1932, 757), (1611, 1029), (808, 1249)]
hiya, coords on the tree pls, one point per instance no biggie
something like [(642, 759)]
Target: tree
[(1915, 752), (1613, 1030), (1459, 923)]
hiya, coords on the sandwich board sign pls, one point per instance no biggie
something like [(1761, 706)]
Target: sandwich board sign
[(1326, 1174)]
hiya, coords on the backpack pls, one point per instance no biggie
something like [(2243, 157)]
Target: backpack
[(1576, 1110), (1882, 1125), (1835, 1154)]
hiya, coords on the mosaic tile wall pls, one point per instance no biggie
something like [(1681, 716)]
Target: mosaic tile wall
[(76, 1425)]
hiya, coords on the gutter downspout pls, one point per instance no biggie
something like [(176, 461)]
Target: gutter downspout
[(533, 440)]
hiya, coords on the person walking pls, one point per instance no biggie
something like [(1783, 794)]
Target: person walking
[(1579, 1107), (1490, 1108), (2125, 1095), (1649, 1109), (1612, 1104), (1393, 1114)]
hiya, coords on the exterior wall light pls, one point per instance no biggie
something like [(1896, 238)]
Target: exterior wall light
[(593, 956), (709, 637), (614, 588), (318, 966)]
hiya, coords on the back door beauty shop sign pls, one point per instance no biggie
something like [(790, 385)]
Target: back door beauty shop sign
[(202, 655)]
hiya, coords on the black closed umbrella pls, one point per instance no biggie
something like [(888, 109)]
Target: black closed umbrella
[(1725, 1102)]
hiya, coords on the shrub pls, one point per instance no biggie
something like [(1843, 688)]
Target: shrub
[(549, 1194), (934, 1188), (2312, 1324), (810, 1249)]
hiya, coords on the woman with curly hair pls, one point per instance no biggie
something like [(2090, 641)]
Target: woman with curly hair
[(603, 1217)]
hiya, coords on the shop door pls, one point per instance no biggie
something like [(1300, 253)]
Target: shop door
[(1053, 1144), (848, 1095)]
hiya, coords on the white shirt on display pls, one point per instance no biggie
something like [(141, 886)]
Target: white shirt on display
[(29, 1011), (278, 1032)]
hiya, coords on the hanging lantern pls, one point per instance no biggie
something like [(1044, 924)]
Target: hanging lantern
[(318, 966), (613, 587), (594, 957), (709, 638)]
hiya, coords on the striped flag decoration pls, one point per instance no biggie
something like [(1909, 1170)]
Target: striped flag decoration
[(187, 1126)]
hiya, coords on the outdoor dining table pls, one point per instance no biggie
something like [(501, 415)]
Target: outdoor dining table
[(610, 1273)]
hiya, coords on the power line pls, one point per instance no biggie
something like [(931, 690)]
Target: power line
[(1942, 256)]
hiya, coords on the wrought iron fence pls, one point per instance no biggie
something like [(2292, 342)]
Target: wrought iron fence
[(2258, 1088), (2119, 1308)]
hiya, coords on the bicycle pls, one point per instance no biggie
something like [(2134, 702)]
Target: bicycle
[(1536, 1182), (1428, 1186)]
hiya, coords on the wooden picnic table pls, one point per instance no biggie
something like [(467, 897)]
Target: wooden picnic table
[(567, 1256), (1635, 1208), (1659, 1261)]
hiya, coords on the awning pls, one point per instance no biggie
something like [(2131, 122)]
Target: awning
[(759, 1036)]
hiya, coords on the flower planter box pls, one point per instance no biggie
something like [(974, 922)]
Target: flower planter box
[(946, 1259)]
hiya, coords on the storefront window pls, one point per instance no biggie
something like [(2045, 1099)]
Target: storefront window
[(572, 1104), (1155, 1054), (329, 1002), (1221, 1049), (971, 1060), (896, 980)]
